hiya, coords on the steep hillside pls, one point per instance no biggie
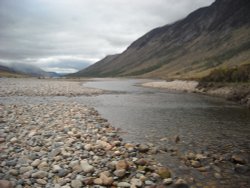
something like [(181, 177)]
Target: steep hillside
[(210, 37), (94, 69)]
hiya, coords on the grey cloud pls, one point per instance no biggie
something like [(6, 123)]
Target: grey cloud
[(90, 29)]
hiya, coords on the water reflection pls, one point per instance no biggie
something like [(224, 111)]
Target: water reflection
[(161, 113)]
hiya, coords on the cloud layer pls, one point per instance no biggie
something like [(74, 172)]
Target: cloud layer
[(63, 35)]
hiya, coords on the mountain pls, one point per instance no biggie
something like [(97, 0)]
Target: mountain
[(26, 69), (208, 38), (9, 72), (90, 71)]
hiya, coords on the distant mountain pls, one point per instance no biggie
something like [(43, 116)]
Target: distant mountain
[(6, 69), (27, 69), (208, 38), (8, 72)]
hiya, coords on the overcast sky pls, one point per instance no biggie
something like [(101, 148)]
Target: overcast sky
[(64, 35)]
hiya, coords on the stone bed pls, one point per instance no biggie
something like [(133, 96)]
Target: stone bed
[(64, 145)]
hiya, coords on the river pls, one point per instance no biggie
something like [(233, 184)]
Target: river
[(213, 127), (204, 124)]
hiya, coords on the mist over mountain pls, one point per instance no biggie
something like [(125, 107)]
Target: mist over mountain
[(208, 38), (26, 69)]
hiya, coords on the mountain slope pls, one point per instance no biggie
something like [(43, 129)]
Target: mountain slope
[(94, 69), (208, 38), (25, 69), (8, 72)]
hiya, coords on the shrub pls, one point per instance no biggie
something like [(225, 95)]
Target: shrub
[(236, 74)]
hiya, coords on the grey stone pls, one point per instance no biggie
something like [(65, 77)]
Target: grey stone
[(62, 172), (41, 181), (76, 183), (22, 170), (123, 184), (11, 163), (120, 173), (86, 167), (36, 162), (40, 174), (136, 182), (55, 152), (168, 181)]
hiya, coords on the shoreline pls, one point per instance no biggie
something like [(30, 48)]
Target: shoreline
[(45, 87), (68, 145), (239, 93), (178, 85), (58, 142)]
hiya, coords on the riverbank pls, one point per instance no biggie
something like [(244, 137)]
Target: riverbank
[(179, 85), (44, 87), (237, 92), (63, 144)]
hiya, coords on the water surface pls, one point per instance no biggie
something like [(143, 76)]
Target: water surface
[(204, 124)]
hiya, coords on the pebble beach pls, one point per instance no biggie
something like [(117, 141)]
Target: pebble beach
[(68, 145)]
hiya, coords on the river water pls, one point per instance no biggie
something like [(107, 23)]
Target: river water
[(204, 124)]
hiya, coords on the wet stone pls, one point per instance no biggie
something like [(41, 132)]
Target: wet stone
[(168, 181), (242, 169), (143, 148), (180, 183), (237, 158), (164, 172)]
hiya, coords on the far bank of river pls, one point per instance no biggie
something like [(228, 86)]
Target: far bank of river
[(237, 92)]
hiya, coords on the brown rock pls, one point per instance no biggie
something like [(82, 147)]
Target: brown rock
[(128, 145), (98, 181), (240, 159), (2, 140), (122, 164), (106, 180), (120, 173), (195, 164), (141, 162), (164, 172), (88, 181), (180, 183), (191, 156), (44, 166), (5, 184), (177, 139), (143, 148)]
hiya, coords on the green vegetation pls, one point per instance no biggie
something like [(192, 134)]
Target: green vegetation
[(236, 74), (145, 70), (219, 59)]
